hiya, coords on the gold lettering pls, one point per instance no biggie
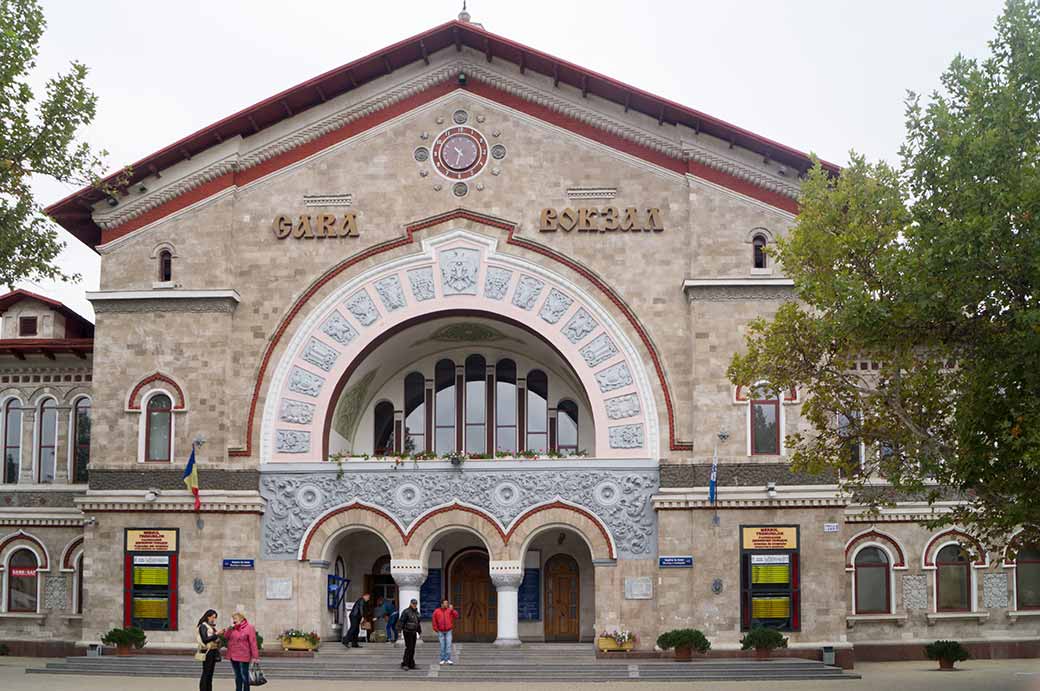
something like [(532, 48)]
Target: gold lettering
[(282, 227), (568, 219), (610, 219), (548, 221), (631, 219), (303, 228), (349, 228), (653, 220), (586, 219), (327, 226)]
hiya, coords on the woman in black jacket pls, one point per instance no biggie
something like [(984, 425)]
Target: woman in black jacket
[(208, 640)]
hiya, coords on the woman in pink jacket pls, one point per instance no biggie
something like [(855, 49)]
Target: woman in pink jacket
[(241, 648)]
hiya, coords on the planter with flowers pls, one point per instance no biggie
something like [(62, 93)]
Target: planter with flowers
[(616, 641), (295, 639)]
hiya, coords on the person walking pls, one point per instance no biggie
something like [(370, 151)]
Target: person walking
[(410, 629), (391, 614), (443, 622), (357, 613), (241, 647), (208, 640)]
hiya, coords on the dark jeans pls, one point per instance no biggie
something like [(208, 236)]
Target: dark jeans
[(206, 682), (241, 675), (352, 633), (409, 649), (391, 627)]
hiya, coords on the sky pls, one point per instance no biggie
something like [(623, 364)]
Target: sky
[(822, 76)]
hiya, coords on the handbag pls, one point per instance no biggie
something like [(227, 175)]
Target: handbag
[(366, 624), (200, 655), (256, 675)]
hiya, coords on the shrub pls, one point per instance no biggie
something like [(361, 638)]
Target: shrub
[(311, 637), (761, 638), (130, 636), (947, 650), (684, 638)]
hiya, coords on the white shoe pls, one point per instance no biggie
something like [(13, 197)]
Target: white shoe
[(441, 662), (450, 662)]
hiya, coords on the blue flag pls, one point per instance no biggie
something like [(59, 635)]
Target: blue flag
[(713, 481)]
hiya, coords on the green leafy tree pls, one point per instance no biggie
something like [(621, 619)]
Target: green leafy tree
[(38, 137), (931, 269)]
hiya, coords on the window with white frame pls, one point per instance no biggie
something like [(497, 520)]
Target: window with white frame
[(1027, 578), (79, 443), (22, 582), (872, 572), (158, 437), (953, 579), (12, 428), (764, 412), (46, 441)]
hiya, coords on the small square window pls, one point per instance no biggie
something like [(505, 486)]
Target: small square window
[(27, 326)]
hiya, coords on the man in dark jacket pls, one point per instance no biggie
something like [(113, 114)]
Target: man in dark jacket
[(408, 623), (356, 613)]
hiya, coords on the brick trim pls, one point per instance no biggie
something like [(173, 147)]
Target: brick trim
[(133, 402)]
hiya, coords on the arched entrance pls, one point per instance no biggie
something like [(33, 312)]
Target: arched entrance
[(474, 597), (562, 598)]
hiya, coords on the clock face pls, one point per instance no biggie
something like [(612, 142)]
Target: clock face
[(459, 153)]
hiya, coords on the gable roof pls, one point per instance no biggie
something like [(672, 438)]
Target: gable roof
[(74, 212), (8, 300)]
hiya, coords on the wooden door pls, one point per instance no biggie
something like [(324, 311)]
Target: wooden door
[(561, 599), (475, 598)]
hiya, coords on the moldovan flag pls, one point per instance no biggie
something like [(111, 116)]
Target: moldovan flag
[(191, 477)]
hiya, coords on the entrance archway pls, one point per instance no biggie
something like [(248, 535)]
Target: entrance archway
[(562, 599), (474, 597)]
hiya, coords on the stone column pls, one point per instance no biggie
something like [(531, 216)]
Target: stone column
[(409, 575), (609, 593), (506, 577)]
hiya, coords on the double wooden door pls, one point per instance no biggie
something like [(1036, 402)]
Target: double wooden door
[(561, 599), (475, 598)]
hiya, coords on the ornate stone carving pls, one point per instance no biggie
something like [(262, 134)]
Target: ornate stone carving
[(296, 412), (411, 577), (150, 305), (56, 592), (579, 326), (527, 291), (915, 592), (422, 283), (468, 332), (626, 436), (620, 498), (389, 290), (362, 307), (555, 306), (621, 407), (599, 350), (994, 590), (506, 574), (614, 377), (292, 441), (496, 282), (302, 381), (338, 329), (320, 355), (741, 293), (459, 269)]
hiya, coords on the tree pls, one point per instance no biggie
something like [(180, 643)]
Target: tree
[(37, 138), (932, 269)]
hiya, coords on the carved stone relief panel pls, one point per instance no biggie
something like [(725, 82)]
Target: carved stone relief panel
[(496, 282), (320, 355), (422, 283), (555, 306), (614, 377), (362, 307), (579, 326), (621, 407), (389, 290), (307, 383), (626, 436), (56, 592), (459, 268), (995, 590), (599, 350), (915, 592), (338, 329), (292, 441), (527, 291), (296, 412)]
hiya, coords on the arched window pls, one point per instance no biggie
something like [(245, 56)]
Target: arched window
[(81, 439), (953, 579), (47, 441), (383, 433), (414, 413), (1027, 578), (444, 407), (505, 406), (537, 411), (758, 245), (165, 266), (12, 440), (764, 423), (79, 585), (476, 404), (22, 582), (158, 429), (872, 581), (567, 427)]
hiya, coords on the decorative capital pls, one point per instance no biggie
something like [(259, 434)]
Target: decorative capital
[(408, 573), (506, 574)]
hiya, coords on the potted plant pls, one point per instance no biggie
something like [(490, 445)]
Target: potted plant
[(616, 640), (685, 641), (457, 458), (295, 639), (947, 653), (763, 640), (125, 638)]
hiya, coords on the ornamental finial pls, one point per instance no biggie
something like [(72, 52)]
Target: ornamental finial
[(464, 15)]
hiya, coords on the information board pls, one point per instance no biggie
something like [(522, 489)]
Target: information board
[(528, 596), (429, 594), (771, 537), (151, 540)]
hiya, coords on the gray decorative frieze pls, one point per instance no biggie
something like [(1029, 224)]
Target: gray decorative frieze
[(292, 441), (459, 268), (307, 383), (362, 307), (296, 412), (422, 283), (622, 406), (995, 590), (620, 498), (496, 282), (915, 592), (626, 436), (320, 355), (152, 305), (339, 329), (599, 350), (389, 290), (56, 592), (527, 291), (579, 326), (555, 306), (741, 293), (614, 377)]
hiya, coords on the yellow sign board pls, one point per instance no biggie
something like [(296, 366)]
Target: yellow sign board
[(771, 537), (151, 541)]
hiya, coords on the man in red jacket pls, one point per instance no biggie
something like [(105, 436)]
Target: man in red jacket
[(443, 621)]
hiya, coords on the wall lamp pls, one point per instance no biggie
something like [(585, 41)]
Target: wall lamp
[(771, 490)]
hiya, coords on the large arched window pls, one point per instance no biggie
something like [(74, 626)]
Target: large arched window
[(567, 427), (505, 406), (537, 411), (414, 413), (476, 404), (872, 581), (953, 579), (383, 432), (1027, 578), (764, 423), (165, 266), (80, 439), (158, 429), (47, 441), (78, 609), (12, 440), (758, 249), (444, 407), (22, 582)]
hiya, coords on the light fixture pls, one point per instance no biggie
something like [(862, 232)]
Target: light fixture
[(112, 201), (89, 520), (152, 494), (141, 188), (771, 490)]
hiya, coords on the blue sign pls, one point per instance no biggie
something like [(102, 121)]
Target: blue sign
[(429, 594), (238, 563), (528, 596), (675, 562)]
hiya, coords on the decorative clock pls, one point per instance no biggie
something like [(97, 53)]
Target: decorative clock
[(459, 153)]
